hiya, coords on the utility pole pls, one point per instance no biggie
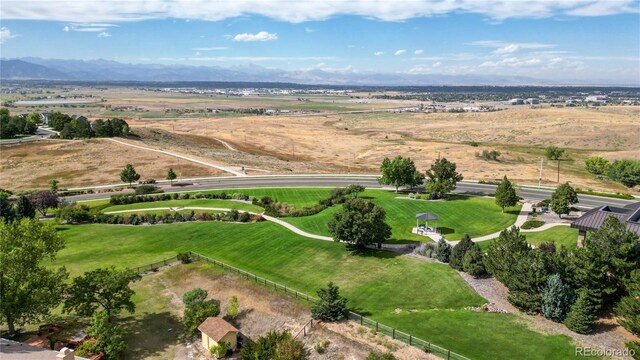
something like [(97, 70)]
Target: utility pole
[(293, 151), (540, 177), (558, 170)]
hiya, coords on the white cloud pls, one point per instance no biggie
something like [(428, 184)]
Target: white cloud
[(418, 52), (436, 64), (309, 30), (378, 53), (104, 34), (89, 27), (212, 48), (254, 58), (301, 11), (197, 53), (261, 36), (503, 47), (5, 34), (400, 52)]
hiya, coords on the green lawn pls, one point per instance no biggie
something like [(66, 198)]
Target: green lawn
[(561, 235), (432, 297), (212, 203), (476, 216)]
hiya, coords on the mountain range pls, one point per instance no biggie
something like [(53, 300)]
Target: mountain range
[(106, 70)]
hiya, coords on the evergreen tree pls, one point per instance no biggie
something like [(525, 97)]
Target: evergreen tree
[(582, 316), (171, 175), (129, 174), (458, 252), (557, 299), (504, 253), (562, 199), (24, 208), (472, 262), (443, 250), (528, 278), (331, 306), (506, 194), (628, 309), (7, 212), (53, 185)]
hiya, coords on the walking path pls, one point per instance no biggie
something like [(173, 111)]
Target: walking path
[(266, 217), (226, 144), (219, 167)]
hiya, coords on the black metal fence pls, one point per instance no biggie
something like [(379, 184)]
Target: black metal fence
[(156, 265), (372, 324)]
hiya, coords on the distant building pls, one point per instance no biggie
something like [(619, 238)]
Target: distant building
[(216, 330), (532, 101), (596, 98), (515, 101), (593, 219)]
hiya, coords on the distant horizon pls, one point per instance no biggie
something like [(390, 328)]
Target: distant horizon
[(568, 42)]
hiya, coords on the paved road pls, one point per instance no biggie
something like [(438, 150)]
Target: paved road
[(586, 201), (40, 135)]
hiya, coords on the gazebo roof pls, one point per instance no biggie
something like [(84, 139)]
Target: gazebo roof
[(426, 216)]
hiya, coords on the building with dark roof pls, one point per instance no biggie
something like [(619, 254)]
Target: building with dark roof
[(593, 219)]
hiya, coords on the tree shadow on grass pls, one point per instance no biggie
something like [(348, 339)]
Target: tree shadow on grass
[(446, 230), (151, 334), (512, 211)]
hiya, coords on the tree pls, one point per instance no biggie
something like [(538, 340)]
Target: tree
[(34, 118), (635, 347), (506, 194), (628, 308), (106, 289), (53, 186), (355, 189), (399, 172), (626, 172), (29, 289), (557, 299), (331, 306), (194, 296), (380, 356), (171, 175), (360, 223), (44, 200), (443, 250), (562, 198), (129, 174), (7, 213), (528, 279), (274, 345), (582, 316), (504, 253), (472, 262), (109, 337), (555, 153), (24, 208), (442, 178), (596, 165), (458, 251), (232, 309), (197, 312)]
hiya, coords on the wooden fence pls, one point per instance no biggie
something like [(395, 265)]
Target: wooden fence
[(372, 324)]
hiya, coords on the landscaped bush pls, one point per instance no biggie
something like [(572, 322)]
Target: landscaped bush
[(220, 350), (532, 224), (184, 258), (492, 155), (125, 199), (426, 249), (74, 214), (166, 218), (147, 189)]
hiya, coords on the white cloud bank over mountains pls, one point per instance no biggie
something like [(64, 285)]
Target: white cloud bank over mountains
[(260, 36), (301, 11)]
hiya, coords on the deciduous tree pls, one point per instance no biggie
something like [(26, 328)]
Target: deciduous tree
[(109, 337), (442, 178), (399, 172), (596, 165), (626, 172), (104, 289), (171, 175), (360, 223), (29, 289), (562, 198), (44, 200)]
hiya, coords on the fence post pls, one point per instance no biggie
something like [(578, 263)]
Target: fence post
[(393, 333), (376, 326), (429, 347), (410, 337), (448, 354), (360, 319)]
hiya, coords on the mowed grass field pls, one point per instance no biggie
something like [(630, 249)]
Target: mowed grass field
[(475, 216), (425, 299), (560, 235)]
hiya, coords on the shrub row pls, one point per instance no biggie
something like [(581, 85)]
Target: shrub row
[(77, 215), (124, 199)]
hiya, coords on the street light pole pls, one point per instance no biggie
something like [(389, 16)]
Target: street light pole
[(540, 177)]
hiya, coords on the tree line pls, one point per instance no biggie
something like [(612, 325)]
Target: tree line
[(12, 126), (80, 127)]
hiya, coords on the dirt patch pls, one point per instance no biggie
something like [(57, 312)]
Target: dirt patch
[(84, 162)]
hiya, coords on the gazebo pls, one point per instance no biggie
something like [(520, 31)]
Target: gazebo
[(423, 230)]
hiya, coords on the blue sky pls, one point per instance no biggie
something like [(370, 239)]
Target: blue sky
[(547, 39)]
